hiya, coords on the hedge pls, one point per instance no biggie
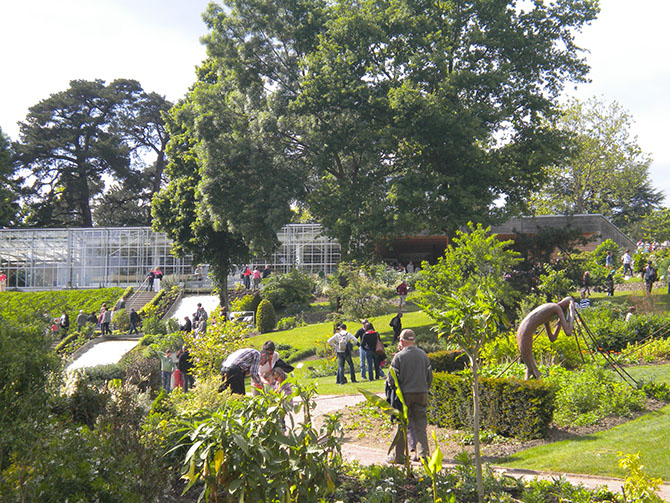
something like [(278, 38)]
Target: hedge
[(448, 361), (509, 407)]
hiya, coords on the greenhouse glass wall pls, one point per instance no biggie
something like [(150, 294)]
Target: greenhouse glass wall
[(44, 259)]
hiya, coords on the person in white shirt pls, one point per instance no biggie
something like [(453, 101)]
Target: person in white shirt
[(343, 343)]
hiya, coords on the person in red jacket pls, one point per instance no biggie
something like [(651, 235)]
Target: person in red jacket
[(401, 290)]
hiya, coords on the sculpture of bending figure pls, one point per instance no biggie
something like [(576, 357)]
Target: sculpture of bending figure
[(543, 315)]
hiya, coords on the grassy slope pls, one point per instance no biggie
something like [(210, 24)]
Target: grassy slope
[(303, 338), (597, 454)]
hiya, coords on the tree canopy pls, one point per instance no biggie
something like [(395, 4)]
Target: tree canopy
[(378, 118), (76, 141), (8, 195), (605, 171)]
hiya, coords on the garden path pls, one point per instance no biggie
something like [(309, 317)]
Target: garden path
[(367, 455)]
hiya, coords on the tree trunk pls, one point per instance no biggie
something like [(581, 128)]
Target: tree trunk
[(475, 420)]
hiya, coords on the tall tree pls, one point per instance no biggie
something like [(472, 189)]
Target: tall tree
[(399, 115), (8, 194), (178, 209), (605, 170), (69, 145)]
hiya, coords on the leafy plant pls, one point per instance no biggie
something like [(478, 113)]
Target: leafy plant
[(585, 396), (638, 487), (240, 451)]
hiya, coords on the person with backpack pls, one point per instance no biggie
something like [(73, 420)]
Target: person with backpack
[(343, 343), (650, 276)]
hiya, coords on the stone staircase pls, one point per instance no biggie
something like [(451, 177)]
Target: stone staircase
[(139, 299)]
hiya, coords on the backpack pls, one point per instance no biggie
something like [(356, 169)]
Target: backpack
[(650, 274)]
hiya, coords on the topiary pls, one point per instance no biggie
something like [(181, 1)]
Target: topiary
[(266, 319)]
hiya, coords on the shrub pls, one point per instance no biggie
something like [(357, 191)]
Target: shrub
[(564, 351), (121, 320), (509, 407), (448, 361), (246, 303), (152, 325), (295, 288), (289, 322), (100, 374), (584, 397), (266, 318), (362, 291)]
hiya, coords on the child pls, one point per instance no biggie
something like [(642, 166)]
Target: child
[(178, 376), (284, 387)]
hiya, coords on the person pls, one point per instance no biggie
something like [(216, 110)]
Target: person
[(584, 302), (201, 317), (361, 352), (609, 283), (187, 325), (106, 321), (586, 283), (415, 376), (369, 344), (650, 276), (266, 271), (542, 316), (178, 375), (167, 367), (64, 323), (410, 267), (198, 273), (629, 313), (627, 260), (401, 290), (265, 369), (185, 365), (343, 343), (150, 280), (3, 281), (257, 278), (245, 361), (246, 275), (609, 260), (396, 325), (158, 276), (92, 318), (134, 319), (120, 304), (283, 387), (81, 320)]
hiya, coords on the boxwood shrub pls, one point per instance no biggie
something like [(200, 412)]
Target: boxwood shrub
[(509, 407)]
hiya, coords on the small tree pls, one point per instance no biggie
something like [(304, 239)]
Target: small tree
[(463, 293)]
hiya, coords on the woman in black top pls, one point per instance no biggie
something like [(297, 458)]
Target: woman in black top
[(369, 345)]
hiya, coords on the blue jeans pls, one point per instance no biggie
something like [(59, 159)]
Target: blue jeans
[(361, 353), (341, 358), (373, 362), (167, 380)]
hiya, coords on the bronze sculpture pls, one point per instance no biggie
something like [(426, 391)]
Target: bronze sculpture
[(543, 315)]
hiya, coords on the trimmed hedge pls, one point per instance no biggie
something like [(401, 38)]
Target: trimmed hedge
[(448, 361), (266, 319), (509, 407)]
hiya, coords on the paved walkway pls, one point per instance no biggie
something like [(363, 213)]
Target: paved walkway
[(369, 455)]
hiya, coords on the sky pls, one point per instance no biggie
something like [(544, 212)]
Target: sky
[(46, 44)]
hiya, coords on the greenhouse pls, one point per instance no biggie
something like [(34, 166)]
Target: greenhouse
[(122, 256)]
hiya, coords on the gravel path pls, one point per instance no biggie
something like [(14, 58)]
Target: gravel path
[(367, 455)]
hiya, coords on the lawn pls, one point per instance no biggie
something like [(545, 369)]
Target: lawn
[(315, 336), (596, 454)]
